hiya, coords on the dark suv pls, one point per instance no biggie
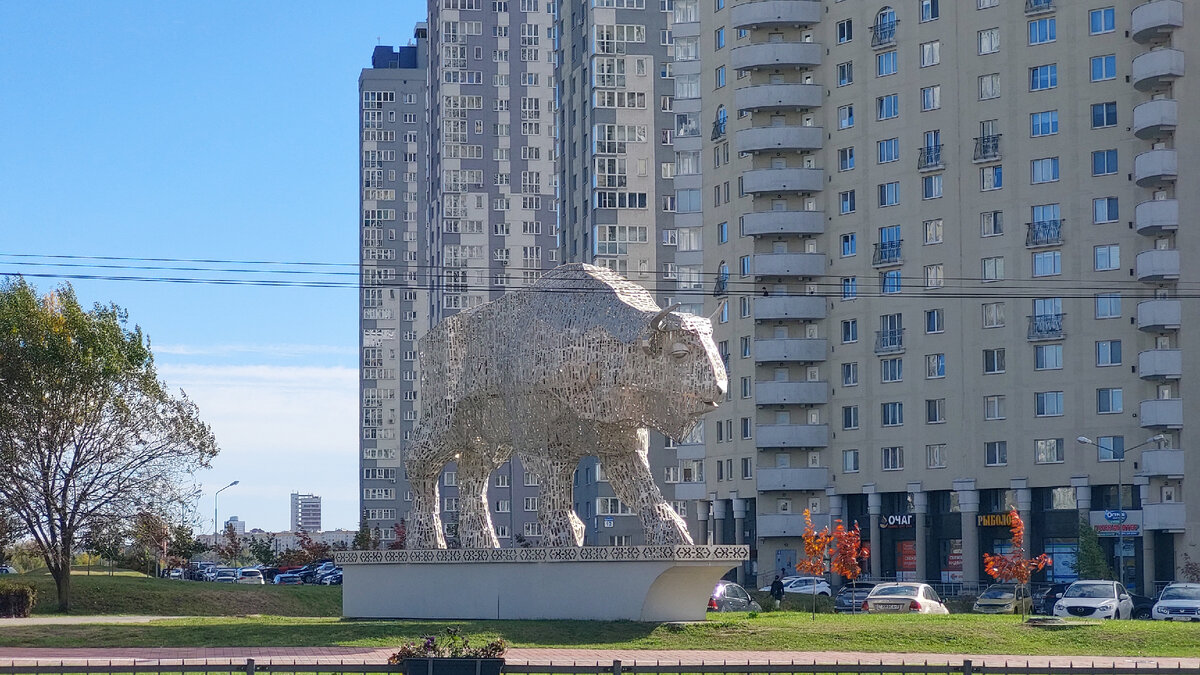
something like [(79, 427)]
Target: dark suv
[(850, 597)]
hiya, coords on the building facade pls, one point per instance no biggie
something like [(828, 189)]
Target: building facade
[(305, 513)]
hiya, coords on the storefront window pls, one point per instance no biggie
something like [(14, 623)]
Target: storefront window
[(1063, 553)]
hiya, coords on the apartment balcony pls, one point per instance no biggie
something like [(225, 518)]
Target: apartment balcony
[(787, 524), (769, 223), (1157, 68), (1160, 364), (887, 254), (1155, 119), (1043, 233), (690, 451), (1161, 413), (883, 34), (775, 139), (1157, 265), (1159, 315), (789, 264), (987, 148), (1167, 463), (1156, 168), (790, 350), (766, 13), (889, 341), (1157, 216), (1034, 7), (791, 436), (776, 55), (779, 96), (780, 181), (929, 158), (1154, 21), (690, 491), (1045, 327), (790, 480), (1171, 516), (770, 392), (784, 307)]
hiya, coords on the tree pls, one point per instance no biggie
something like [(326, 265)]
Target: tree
[(1090, 561), (1014, 566), (816, 547), (848, 550), (401, 531), (87, 431), (1190, 570), (362, 538), (106, 540), (11, 531), (263, 550), (293, 557), (316, 550), (231, 550), (184, 543), (153, 534)]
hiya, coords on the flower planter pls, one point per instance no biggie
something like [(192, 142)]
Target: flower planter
[(453, 666)]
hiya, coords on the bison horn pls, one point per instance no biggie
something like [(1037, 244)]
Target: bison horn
[(713, 317), (657, 322)]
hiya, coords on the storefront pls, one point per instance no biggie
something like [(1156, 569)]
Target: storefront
[(899, 546)]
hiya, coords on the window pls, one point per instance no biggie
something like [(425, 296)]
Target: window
[(747, 387), (892, 414), (849, 331), (891, 370), (1108, 401), (893, 458), (1043, 123), (850, 374), (931, 98), (885, 64), (888, 106), (991, 178), (1104, 115), (992, 269), (1108, 306), (1107, 257), (935, 321), (846, 202), (1104, 67), (891, 281), (1042, 31), (935, 410), (931, 53), (1102, 21), (845, 31), (991, 223), (929, 10), (845, 117), (850, 461), (935, 366), (989, 86), (1110, 448), (720, 77), (850, 417), (1104, 162), (719, 37), (846, 159), (1043, 77), (993, 361), (889, 150), (989, 41), (995, 453), (889, 194), (993, 407), (993, 315), (1048, 451), (1104, 210), (1048, 357), (933, 231), (1108, 353), (1048, 404), (747, 429), (849, 288), (931, 186), (1047, 263), (984, 4), (935, 456), (849, 244), (845, 73)]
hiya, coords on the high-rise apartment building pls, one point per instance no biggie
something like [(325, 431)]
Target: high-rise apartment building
[(955, 232), (305, 513)]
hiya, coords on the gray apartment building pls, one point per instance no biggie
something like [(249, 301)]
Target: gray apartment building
[(304, 513)]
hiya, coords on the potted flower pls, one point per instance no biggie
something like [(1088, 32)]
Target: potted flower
[(450, 654)]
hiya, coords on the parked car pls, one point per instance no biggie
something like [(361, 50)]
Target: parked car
[(1143, 606), (320, 576), (851, 596), (1044, 598), (332, 579), (894, 598), (175, 573), (249, 575), (805, 585), (1097, 599), (729, 597), (1178, 602), (314, 575), (225, 575), (269, 573), (1004, 599), (287, 580), (7, 569)]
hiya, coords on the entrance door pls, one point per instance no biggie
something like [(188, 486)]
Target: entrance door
[(785, 562)]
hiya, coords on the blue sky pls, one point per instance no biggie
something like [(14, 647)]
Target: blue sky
[(217, 130)]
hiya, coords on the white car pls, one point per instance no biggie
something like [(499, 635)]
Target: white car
[(1095, 599), (250, 575), (804, 585), (903, 597), (1178, 602), (7, 569), (785, 581)]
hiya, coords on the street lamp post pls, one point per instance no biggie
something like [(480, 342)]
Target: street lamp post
[(216, 522), (1084, 440)]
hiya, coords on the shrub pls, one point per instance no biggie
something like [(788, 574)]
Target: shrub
[(452, 644), (793, 602), (959, 604), (16, 600)]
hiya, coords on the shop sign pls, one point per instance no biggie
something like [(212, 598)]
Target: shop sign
[(1114, 523), (994, 519), (896, 521)]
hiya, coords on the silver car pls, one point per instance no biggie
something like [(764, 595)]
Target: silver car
[(729, 597)]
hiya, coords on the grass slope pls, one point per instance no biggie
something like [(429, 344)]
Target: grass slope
[(958, 634)]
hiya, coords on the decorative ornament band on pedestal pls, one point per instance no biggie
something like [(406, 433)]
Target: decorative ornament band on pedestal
[(733, 554)]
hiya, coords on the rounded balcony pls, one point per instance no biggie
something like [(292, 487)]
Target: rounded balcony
[(1156, 69), (789, 264), (1155, 20), (791, 435), (766, 223), (777, 55), (749, 15), (1161, 413), (1156, 168), (781, 181), (1160, 364), (785, 307), (780, 139), (1155, 119), (778, 97), (1157, 265), (786, 350), (1156, 216), (1158, 316), (775, 392)]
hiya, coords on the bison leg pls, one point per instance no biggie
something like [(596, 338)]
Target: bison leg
[(624, 457), (424, 526), (474, 521), (561, 527)]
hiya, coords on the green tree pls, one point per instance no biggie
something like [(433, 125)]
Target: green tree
[(263, 550), (362, 538), (231, 550), (106, 540), (11, 531), (316, 550), (1090, 562), (87, 431), (184, 545)]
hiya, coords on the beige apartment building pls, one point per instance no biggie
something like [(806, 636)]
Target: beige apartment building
[(947, 233)]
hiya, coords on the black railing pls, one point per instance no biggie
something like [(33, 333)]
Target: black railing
[(883, 34), (987, 148), (930, 157), (889, 341), (1044, 233), (1045, 326), (887, 253), (718, 129), (1038, 6)]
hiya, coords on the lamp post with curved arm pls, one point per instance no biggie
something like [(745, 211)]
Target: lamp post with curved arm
[(216, 522)]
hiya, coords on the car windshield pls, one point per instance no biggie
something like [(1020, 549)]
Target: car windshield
[(998, 593), (251, 573), (903, 590), (1090, 591), (1181, 593)]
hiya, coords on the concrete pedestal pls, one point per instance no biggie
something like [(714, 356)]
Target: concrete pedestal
[(636, 583)]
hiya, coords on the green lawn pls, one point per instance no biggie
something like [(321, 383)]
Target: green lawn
[(768, 632)]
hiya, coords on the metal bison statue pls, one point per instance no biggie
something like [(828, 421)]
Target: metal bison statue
[(582, 363)]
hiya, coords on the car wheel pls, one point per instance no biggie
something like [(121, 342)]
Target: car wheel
[(1141, 614)]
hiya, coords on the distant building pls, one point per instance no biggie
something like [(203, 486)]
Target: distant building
[(305, 513), (239, 526)]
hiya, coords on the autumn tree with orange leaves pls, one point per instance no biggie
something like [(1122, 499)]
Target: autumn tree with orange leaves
[(848, 550), (817, 545), (1014, 566)]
